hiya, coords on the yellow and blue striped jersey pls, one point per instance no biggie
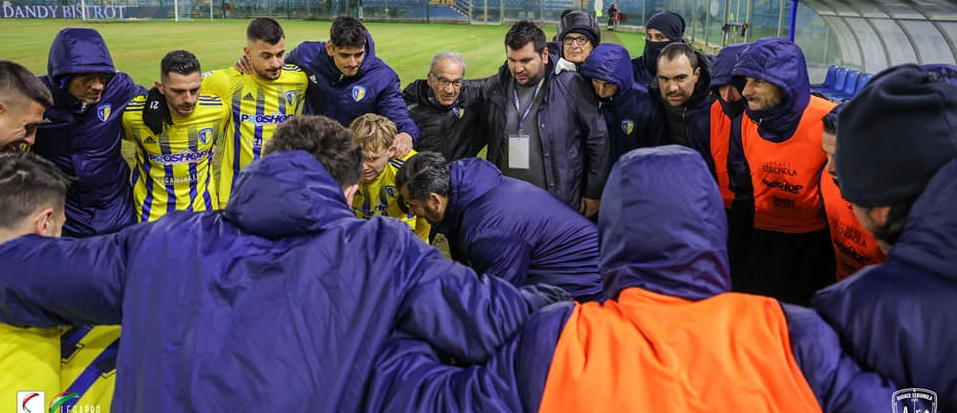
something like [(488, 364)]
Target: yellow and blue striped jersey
[(173, 170), (29, 367), (258, 107), (380, 197), (88, 367)]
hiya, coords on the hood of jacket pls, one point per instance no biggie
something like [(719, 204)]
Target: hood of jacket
[(471, 178), (78, 50), (286, 193), (929, 237), (781, 63), (662, 226), (721, 69), (611, 63)]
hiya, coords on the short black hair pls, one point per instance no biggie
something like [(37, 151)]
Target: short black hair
[(179, 61), (425, 173), (523, 32), (325, 139), (16, 81), (265, 29), (673, 50), (29, 182), (347, 31), (830, 124)]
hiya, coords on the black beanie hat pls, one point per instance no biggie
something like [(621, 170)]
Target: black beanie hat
[(894, 136), (582, 23), (669, 23)]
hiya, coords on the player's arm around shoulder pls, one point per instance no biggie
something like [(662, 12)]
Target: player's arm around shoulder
[(221, 83)]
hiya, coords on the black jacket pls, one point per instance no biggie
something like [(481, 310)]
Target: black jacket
[(455, 131)]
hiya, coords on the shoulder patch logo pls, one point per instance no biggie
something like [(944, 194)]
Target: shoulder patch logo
[(205, 135), (628, 126), (914, 400), (358, 92), (103, 111), (290, 97), (249, 96)]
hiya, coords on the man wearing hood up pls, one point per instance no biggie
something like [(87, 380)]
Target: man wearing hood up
[(661, 30), (632, 115), (347, 80), (80, 133), (790, 248), (896, 162), (669, 337), (280, 302), (716, 135)]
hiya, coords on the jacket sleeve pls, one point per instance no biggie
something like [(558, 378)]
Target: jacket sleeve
[(305, 55), (392, 105), (45, 282), (594, 131), (465, 315), (499, 253), (699, 137), (839, 383)]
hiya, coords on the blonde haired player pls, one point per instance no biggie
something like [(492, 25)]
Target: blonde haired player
[(377, 195)]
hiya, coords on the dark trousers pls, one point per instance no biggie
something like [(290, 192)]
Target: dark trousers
[(791, 267), (740, 227)]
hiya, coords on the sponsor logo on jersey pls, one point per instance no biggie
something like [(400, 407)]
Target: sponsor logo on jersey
[(627, 126), (103, 111), (358, 92), (264, 119), (31, 401), (185, 156), (205, 135)]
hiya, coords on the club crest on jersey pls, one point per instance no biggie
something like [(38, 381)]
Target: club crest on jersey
[(358, 92), (459, 112), (390, 190), (204, 135), (628, 126), (290, 96), (914, 400), (103, 111)]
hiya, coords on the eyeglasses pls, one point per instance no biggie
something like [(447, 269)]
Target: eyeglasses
[(581, 40), (444, 83)]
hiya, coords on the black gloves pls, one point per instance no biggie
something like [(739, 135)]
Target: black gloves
[(156, 112)]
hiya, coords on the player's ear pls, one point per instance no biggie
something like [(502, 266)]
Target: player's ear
[(43, 222), (159, 86), (329, 48), (393, 151)]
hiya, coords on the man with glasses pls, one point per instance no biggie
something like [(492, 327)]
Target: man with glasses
[(544, 127), (80, 133), (578, 34), (445, 108)]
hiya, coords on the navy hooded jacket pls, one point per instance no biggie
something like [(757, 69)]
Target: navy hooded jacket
[(259, 307), (781, 63), (83, 139), (899, 317), (517, 231), (573, 134), (374, 89), (633, 117), (655, 236), (456, 131)]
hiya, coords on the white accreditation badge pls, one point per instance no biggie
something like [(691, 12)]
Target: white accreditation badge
[(518, 153)]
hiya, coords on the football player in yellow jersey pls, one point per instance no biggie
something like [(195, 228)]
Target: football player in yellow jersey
[(32, 196), (260, 99), (377, 194), (174, 128)]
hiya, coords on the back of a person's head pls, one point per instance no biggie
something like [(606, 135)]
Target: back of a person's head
[(17, 83), (180, 62), (373, 133), (523, 32), (28, 183), (326, 140), (425, 173), (895, 135), (265, 29), (347, 31)]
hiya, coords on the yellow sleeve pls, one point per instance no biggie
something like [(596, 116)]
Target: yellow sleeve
[(221, 83), (29, 363)]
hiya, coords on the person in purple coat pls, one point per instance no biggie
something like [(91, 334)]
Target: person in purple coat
[(280, 302), (80, 133)]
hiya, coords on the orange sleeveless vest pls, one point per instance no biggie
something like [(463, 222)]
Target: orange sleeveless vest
[(648, 352), (785, 175), (854, 247), (720, 144)]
